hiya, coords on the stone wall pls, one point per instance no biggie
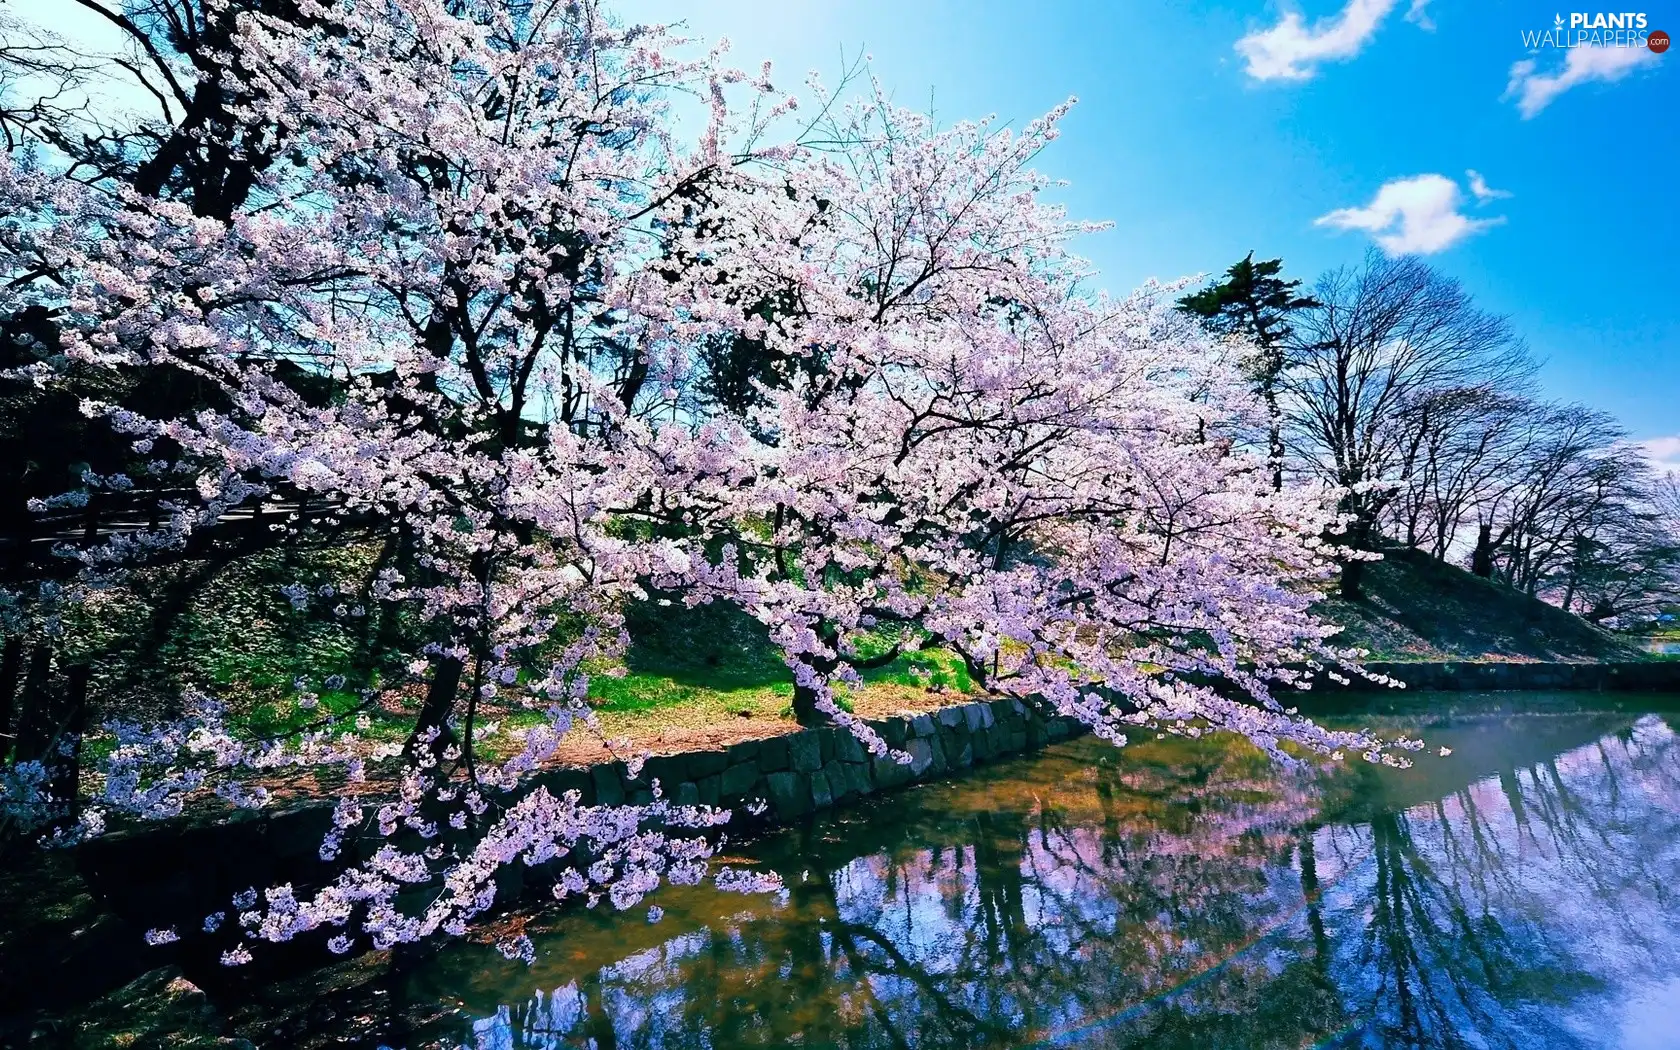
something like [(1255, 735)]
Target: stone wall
[(178, 872), (1646, 675), (184, 871), (801, 773)]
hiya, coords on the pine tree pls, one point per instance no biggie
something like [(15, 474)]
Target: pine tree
[(1254, 301)]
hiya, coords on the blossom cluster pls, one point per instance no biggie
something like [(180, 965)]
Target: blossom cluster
[(499, 242)]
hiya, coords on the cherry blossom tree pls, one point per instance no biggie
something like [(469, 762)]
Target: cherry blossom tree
[(448, 279), (986, 457)]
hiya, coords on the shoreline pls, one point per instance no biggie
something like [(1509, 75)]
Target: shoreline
[(194, 864), (153, 874)]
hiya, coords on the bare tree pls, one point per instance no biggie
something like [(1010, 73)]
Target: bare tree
[(1466, 448), (1390, 347), (1623, 562), (1571, 474)]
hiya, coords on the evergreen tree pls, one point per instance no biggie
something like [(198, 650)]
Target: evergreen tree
[(1254, 301)]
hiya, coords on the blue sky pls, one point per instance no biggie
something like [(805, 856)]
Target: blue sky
[(1196, 160), (1206, 129)]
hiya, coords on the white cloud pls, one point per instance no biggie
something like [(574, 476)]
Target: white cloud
[(1481, 190), (1418, 15), (1292, 50), (1663, 452), (1417, 215), (1534, 91)]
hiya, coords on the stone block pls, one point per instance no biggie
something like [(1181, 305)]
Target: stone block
[(895, 731), (997, 740), (609, 786), (789, 794), (773, 754), (978, 716), (941, 760), (962, 756), (834, 776), (952, 739), (560, 781), (667, 769), (822, 794), (745, 751), (706, 763), (858, 779), (891, 774), (298, 834), (687, 794), (711, 789), (951, 716), (805, 751), (922, 725), (738, 780), (848, 748), (921, 757)]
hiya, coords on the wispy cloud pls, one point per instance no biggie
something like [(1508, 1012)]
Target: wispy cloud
[(1664, 453), (1534, 90), (1293, 50), (1481, 190), (1418, 215)]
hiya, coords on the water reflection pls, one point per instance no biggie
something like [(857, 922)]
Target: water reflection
[(1517, 894)]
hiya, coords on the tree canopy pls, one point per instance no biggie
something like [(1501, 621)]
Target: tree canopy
[(447, 282)]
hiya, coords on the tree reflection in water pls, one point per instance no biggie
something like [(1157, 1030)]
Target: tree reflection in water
[(1178, 893)]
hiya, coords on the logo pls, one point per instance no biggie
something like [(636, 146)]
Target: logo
[(1596, 29)]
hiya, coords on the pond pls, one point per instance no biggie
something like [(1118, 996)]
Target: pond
[(1520, 892)]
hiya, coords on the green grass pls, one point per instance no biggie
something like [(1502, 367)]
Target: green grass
[(242, 642), (718, 655), (929, 667), (646, 691), (716, 658)]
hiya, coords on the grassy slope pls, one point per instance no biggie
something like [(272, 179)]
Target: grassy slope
[(710, 667), (694, 672), (708, 676), (1417, 608)]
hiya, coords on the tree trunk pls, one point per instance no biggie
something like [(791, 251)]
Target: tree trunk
[(71, 724), (34, 714), (804, 697), (1276, 440), (1353, 576), (440, 703), (1481, 559), (1274, 428), (11, 666), (805, 710)]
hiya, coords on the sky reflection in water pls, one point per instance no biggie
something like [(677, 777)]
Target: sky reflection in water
[(1520, 893)]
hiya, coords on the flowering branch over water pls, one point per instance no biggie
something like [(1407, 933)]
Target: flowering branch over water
[(484, 303)]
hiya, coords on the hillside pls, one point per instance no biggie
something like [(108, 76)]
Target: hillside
[(1417, 608)]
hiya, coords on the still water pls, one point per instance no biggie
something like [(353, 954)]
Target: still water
[(1522, 892)]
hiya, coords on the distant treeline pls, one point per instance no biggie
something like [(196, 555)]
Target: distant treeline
[(1388, 380)]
